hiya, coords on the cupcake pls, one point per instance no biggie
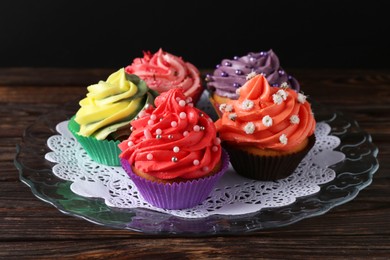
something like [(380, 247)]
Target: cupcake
[(103, 119), (173, 154), (267, 131), (231, 74), (163, 71)]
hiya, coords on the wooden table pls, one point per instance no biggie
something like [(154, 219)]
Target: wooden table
[(32, 229)]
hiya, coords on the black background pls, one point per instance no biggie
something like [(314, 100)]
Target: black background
[(304, 34)]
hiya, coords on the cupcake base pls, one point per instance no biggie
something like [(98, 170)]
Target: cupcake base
[(267, 167), (101, 151), (177, 195)]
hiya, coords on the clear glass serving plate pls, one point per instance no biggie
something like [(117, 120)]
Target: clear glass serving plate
[(352, 175)]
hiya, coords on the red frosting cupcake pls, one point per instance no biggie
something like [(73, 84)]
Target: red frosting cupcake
[(173, 154), (163, 71)]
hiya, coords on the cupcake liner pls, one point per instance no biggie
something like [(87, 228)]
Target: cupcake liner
[(101, 151), (215, 105), (266, 168), (196, 96), (178, 195)]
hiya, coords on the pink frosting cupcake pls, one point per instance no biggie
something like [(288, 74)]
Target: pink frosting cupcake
[(173, 154), (163, 71)]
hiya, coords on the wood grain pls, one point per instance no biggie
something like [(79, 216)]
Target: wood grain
[(33, 229)]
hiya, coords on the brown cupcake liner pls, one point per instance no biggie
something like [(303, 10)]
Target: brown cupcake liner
[(266, 168)]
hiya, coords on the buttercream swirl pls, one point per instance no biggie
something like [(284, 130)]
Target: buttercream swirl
[(110, 105), (174, 140), (266, 117), (163, 71), (231, 74)]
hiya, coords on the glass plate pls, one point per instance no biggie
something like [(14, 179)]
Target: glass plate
[(352, 175)]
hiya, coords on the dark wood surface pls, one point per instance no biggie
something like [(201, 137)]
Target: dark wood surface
[(33, 229)]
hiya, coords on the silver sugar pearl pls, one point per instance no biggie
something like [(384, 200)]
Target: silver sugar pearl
[(174, 159)]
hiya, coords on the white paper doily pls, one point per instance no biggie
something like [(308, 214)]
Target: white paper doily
[(233, 194)]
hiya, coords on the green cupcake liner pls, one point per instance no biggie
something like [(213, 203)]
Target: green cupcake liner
[(101, 151)]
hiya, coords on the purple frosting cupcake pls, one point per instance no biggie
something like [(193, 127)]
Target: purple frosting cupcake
[(232, 74)]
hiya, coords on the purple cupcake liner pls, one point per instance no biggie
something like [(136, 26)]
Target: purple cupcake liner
[(180, 195)]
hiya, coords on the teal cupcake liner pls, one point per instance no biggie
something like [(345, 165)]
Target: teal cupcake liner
[(101, 151)]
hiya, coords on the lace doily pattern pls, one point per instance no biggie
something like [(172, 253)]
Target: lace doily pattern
[(233, 195)]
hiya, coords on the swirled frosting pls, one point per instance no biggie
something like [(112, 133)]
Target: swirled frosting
[(266, 117), (175, 140), (163, 71), (231, 74), (110, 105)]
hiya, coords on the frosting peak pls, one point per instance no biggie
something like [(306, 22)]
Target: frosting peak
[(266, 117), (110, 105), (231, 74), (174, 140), (163, 71)]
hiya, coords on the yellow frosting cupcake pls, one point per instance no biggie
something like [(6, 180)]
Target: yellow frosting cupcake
[(104, 116)]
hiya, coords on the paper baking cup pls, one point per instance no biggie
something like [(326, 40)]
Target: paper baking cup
[(178, 195), (266, 168), (101, 151)]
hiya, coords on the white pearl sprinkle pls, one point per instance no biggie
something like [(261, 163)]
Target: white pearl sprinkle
[(277, 99), (247, 104), (153, 117), (301, 98), (283, 139), (217, 141), (232, 116), (149, 156), (196, 162), (176, 149), (222, 107), (251, 75), (130, 143), (249, 128), (189, 100), (150, 122), (158, 131), (282, 93), (229, 108), (191, 104), (205, 169), (177, 99), (284, 85), (267, 121), (141, 114), (214, 148), (147, 134), (185, 133), (182, 115), (294, 119), (173, 123), (182, 103), (196, 128)]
